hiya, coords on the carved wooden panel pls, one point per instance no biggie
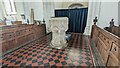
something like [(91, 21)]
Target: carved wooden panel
[(102, 49), (104, 55), (2, 23), (113, 61), (17, 35), (115, 49), (99, 46), (106, 41), (17, 23), (107, 44), (115, 30), (95, 35)]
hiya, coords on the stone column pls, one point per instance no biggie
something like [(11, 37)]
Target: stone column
[(58, 26)]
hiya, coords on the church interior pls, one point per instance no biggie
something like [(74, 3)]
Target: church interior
[(59, 34)]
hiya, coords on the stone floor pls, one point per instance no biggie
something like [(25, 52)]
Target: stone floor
[(77, 53)]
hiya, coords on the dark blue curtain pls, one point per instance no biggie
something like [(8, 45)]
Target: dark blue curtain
[(77, 18), (61, 13)]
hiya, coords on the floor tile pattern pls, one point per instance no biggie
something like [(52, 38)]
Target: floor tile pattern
[(77, 53)]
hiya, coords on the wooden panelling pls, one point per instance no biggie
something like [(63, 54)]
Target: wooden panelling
[(17, 35), (17, 23), (105, 40), (102, 49), (115, 49), (104, 55), (107, 44), (115, 30), (113, 61), (95, 36), (2, 23)]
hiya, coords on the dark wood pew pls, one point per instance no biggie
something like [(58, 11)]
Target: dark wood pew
[(108, 45), (113, 29), (14, 36), (2, 23)]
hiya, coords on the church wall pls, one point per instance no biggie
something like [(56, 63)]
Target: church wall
[(108, 11), (38, 10), (48, 8), (105, 11), (20, 10), (93, 11), (119, 13), (65, 5), (2, 10), (1, 13)]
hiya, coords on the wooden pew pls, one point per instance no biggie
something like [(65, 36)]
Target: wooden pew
[(108, 45), (13, 23), (115, 30), (17, 23), (18, 35), (2, 23)]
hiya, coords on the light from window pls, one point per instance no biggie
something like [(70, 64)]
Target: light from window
[(10, 6)]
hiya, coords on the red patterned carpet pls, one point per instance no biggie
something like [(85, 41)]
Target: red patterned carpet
[(38, 54)]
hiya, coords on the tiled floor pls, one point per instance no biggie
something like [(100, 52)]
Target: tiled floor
[(38, 54)]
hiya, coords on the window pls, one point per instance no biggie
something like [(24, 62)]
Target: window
[(10, 6)]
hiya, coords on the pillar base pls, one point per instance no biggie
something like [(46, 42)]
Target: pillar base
[(62, 46)]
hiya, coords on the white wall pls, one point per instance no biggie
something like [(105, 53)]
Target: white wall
[(27, 10), (65, 5), (93, 11), (1, 13), (48, 8), (105, 11), (38, 10), (19, 9), (108, 11), (119, 13), (2, 10)]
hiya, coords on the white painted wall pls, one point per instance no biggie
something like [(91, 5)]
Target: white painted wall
[(38, 10), (2, 10), (1, 13), (65, 5), (19, 10), (108, 11), (119, 13), (105, 11), (27, 9), (93, 11), (48, 8)]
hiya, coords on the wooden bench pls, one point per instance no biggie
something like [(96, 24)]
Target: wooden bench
[(2, 23), (17, 35), (108, 45)]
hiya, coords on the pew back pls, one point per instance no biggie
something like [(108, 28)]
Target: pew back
[(17, 35), (107, 44)]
